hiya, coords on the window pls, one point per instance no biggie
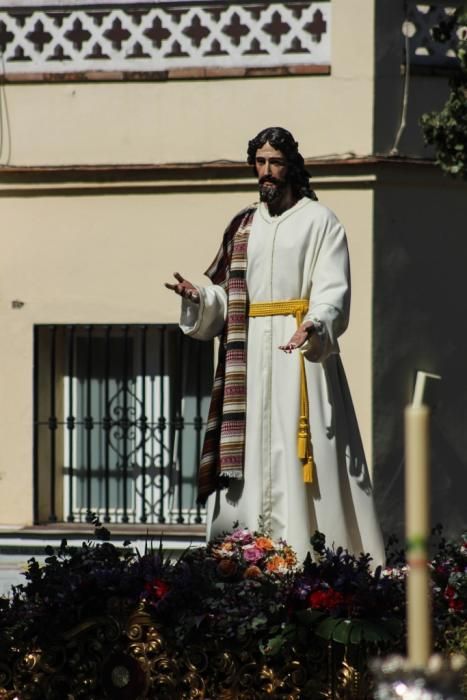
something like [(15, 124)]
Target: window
[(120, 414)]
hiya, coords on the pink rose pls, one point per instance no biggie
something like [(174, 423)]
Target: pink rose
[(252, 553), (242, 536)]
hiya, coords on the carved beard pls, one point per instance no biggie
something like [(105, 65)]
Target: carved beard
[(271, 194)]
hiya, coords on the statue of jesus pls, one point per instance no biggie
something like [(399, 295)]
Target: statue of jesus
[(282, 441)]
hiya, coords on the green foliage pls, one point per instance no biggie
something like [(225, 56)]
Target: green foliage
[(447, 130), (352, 631)]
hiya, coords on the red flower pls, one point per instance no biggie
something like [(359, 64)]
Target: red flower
[(449, 592), (157, 588), (326, 599), (454, 603)]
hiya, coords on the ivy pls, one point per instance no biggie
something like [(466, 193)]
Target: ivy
[(446, 130)]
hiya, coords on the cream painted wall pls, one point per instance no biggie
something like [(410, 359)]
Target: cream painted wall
[(103, 259), (196, 120), (16, 422)]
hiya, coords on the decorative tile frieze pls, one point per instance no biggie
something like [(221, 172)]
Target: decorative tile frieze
[(422, 18), (157, 37)]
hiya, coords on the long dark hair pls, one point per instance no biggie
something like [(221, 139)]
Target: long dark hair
[(283, 141)]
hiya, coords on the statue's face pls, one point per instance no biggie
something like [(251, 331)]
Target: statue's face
[(271, 167)]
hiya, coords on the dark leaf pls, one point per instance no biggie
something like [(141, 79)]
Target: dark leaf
[(341, 632), (326, 628)]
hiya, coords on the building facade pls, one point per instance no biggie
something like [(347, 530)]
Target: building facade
[(123, 143)]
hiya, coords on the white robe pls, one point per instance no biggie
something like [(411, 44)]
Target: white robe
[(300, 254)]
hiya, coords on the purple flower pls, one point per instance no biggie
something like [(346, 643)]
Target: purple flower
[(242, 536), (252, 553), (302, 589)]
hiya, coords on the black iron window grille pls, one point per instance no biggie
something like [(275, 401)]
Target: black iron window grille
[(119, 419)]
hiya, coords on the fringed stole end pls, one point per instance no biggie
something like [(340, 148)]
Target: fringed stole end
[(231, 473)]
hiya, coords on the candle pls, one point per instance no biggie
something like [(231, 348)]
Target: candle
[(417, 525)]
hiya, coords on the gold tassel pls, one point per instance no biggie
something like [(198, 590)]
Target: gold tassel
[(302, 438), (308, 471)]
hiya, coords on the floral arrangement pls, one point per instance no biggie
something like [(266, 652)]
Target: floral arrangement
[(239, 583), (244, 588), (340, 598), (342, 583), (252, 554), (245, 578), (449, 577), (80, 583)]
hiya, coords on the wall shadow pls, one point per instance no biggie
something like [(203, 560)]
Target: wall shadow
[(420, 312)]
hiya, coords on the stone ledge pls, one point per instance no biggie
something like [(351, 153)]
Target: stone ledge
[(165, 75), (118, 530)]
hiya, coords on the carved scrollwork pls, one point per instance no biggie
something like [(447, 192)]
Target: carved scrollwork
[(29, 661), (294, 677), (135, 632), (5, 676), (196, 659), (132, 657), (52, 660), (192, 686)]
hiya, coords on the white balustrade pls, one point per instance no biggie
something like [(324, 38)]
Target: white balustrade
[(64, 37)]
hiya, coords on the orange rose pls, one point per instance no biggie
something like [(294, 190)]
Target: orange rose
[(252, 572), (227, 568), (290, 556), (276, 563), (264, 543), (221, 550)]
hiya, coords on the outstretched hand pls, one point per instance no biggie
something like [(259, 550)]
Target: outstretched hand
[(184, 288), (300, 336)]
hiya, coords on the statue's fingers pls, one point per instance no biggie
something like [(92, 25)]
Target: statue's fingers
[(178, 277)]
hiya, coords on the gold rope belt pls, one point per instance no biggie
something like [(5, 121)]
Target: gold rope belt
[(297, 308)]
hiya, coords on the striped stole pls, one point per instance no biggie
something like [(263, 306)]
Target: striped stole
[(224, 441)]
